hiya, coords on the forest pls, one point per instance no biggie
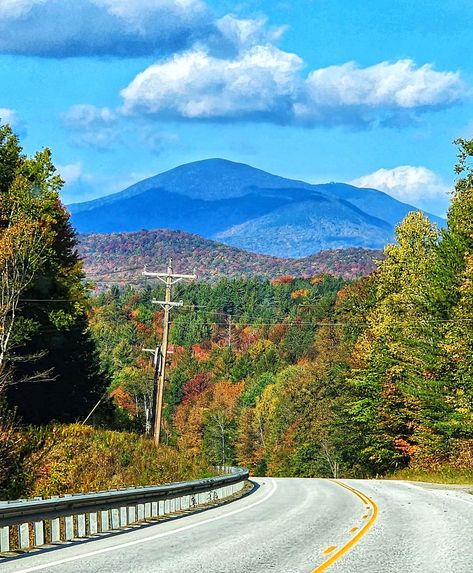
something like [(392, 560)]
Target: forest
[(314, 377), (320, 376)]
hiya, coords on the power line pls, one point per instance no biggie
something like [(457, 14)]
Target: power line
[(116, 271), (47, 300)]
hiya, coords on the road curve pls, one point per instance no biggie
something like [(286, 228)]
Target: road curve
[(289, 525)]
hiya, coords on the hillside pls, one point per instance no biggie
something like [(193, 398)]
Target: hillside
[(247, 208), (121, 257)]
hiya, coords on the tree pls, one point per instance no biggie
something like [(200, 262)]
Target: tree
[(397, 354), (44, 307), (25, 238)]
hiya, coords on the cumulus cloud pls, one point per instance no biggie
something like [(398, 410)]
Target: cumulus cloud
[(101, 27), (415, 185), (357, 95), (257, 84), (265, 83)]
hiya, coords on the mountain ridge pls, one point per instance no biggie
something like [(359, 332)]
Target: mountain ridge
[(121, 257), (246, 207)]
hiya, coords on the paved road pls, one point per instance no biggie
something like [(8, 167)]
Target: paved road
[(290, 525)]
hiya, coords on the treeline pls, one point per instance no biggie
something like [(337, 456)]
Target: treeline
[(315, 377), (121, 257)]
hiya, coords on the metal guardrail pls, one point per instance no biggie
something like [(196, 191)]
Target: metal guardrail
[(32, 523)]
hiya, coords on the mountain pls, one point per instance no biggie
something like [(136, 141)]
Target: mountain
[(121, 257), (248, 208)]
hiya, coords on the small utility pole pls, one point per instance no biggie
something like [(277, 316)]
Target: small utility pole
[(229, 330), (158, 365), (169, 279)]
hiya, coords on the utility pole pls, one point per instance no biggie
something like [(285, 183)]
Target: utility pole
[(158, 365), (169, 279), (229, 330)]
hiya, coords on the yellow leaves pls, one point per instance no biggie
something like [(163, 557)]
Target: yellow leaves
[(301, 293), (259, 348)]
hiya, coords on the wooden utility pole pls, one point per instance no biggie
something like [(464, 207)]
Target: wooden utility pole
[(169, 279), (229, 330)]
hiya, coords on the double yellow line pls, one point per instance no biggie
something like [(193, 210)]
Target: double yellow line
[(370, 505)]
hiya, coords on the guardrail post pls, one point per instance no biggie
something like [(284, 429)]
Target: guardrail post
[(24, 535), (154, 508), (81, 530), (4, 539), (68, 524), (69, 528), (93, 529), (104, 521), (123, 517), (132, 514), (148, 510), (115, 519), (55, 530), (38, 530), (141, 511)]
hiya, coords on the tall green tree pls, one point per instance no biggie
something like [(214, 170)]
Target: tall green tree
[(51, 357)]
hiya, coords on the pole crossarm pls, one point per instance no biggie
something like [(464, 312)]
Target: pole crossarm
[(164, 277), (165, 303)]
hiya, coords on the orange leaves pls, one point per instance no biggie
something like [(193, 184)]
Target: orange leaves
[(225, 395), (282, 280), (408, 449), (124, 400)]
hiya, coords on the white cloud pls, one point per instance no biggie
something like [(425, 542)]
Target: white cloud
[(124, 28), (70, 173), (415, 185), (194, 85), (85, 115), (102, 27), (8, 116), (393, 87), (245, 33), (17, 8), (93, 126), (265, 83)]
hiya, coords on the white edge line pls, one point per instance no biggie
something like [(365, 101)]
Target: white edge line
[(151, 537)]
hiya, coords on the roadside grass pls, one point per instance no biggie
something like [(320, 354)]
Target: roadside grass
[(62, 459), (442, 475)]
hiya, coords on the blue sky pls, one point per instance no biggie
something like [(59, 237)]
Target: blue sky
[(323, 90)]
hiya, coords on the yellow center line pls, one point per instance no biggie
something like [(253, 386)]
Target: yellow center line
[(354, 540), (330, 549)]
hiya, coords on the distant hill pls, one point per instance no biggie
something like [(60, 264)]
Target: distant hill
[(248, 208), (121, 257)]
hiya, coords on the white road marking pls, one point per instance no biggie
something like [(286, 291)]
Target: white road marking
[(151, 537)]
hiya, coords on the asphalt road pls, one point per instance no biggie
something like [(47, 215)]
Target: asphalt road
[(290, 525)]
